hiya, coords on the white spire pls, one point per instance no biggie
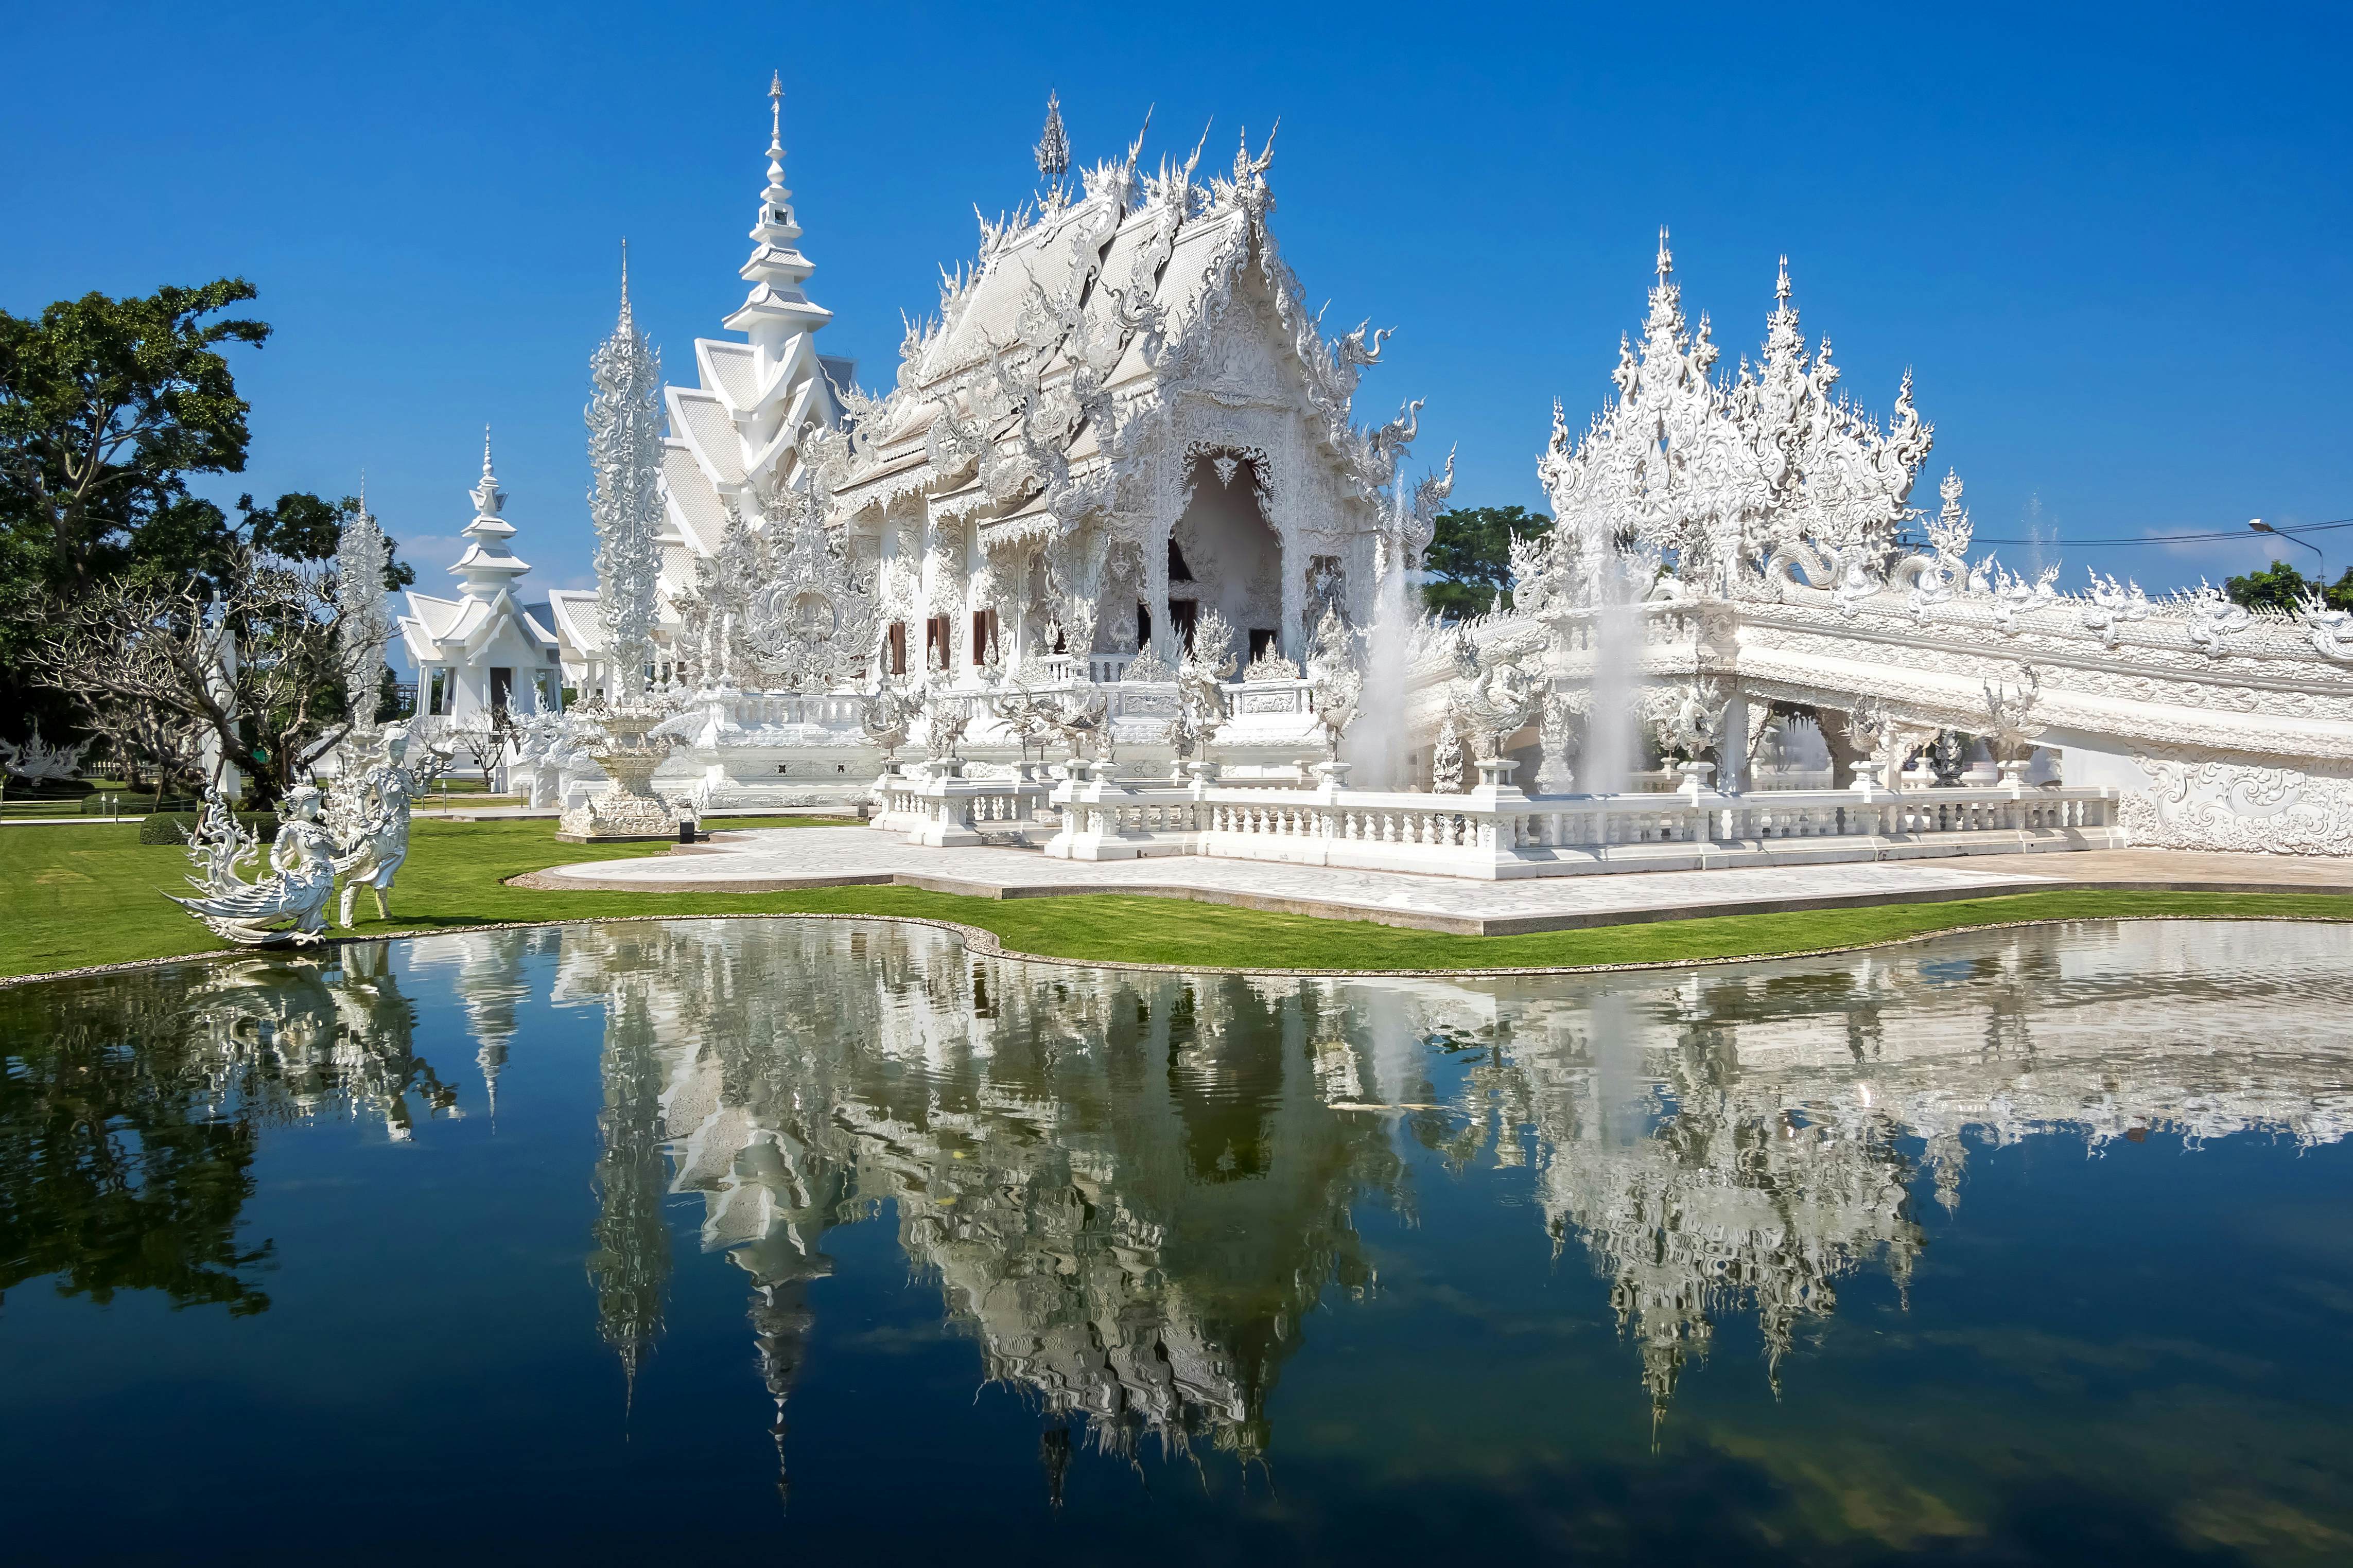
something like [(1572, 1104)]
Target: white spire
[(488, 564), (779, 318), (624, 418)]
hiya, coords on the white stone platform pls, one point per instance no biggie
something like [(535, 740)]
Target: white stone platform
[(778, 859)]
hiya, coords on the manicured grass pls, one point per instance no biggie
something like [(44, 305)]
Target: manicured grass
[(87, 894)]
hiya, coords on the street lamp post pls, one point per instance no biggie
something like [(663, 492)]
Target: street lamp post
[(2260, 526)]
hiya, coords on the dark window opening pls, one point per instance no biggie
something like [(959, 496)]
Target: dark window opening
[(984, 635), (898, 648), (1177, 571), (1143, 624), (1183, 614), (501, 688), (1261, 642), (939, 639)]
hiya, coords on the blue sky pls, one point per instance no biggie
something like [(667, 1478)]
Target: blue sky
[(2112, 244)]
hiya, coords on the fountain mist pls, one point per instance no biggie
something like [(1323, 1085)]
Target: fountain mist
[(1609, 737)]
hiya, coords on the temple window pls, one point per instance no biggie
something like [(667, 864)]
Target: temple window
[(984, 635), (1261, 641), (1177, 571), (1182, 615), (897, 645)]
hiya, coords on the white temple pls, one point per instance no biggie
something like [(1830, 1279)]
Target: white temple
[(484, 651), (1123, 424)]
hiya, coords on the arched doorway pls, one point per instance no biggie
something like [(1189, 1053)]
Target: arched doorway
[(1223, 551)]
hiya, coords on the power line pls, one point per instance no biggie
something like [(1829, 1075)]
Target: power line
[(2179, 538)]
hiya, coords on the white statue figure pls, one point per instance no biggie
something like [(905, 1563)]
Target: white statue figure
[(1200, 692), (1556, 727), (1336, 685), (1446, 758), (373, 857), (291, 903)]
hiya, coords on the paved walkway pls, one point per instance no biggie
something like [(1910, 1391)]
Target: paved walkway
[(779, 859), (772, 860)]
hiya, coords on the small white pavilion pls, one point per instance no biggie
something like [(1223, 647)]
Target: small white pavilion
[(485, 650)]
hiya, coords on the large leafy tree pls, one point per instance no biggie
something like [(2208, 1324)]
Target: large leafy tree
[(2280, 586), (108, 408), (1468, 562)]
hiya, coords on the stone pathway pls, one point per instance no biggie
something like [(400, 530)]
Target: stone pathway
[(775, 860)]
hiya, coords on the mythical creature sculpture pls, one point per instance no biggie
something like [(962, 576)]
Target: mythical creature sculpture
[(1029, 714), (1691, 719), (946, 718), (1556, 731), (886, 715), (1335, 682), (1495, 696), (2011, 726), (37, 762), (289, 905), (2112, 605), (1082, 716), (2214, 619), (373, 858), (1446, 758), (1200, 688), (2331, 630)]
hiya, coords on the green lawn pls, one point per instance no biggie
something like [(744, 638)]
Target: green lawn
[(87, 894)]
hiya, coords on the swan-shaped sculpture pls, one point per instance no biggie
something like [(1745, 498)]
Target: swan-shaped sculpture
[(291, 903)]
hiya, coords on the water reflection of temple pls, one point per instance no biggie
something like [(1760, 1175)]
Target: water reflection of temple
[(1130, 1190), (1131, 1187)]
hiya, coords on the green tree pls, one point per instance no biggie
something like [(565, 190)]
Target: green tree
[(2280, 586), (1470, 557), (107, 407)]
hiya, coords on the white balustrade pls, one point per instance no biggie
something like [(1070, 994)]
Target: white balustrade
[(937, 806), (1500, 832)]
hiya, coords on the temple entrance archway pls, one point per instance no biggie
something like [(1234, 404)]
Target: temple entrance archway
[(1224, 553)]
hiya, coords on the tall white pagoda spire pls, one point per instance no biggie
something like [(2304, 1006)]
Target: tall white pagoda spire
[(778, 316), (488, 565), (624, 419)]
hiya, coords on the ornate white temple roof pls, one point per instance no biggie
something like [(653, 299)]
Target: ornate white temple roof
[(735, 437), (438, 631)]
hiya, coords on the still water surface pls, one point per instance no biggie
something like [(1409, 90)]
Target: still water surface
[(829, 1240)]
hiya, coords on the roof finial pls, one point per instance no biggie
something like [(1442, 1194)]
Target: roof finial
[(1666, 257), (485, 451), (1054, 150), (776, 201), (1781, 289), (625, 315)]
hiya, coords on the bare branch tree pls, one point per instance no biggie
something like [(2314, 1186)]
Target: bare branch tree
[(261, 668)]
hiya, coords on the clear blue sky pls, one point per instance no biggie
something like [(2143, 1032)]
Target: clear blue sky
[(2112, 244)]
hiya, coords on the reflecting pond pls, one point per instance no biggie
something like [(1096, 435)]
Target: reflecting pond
[(813, 1237)]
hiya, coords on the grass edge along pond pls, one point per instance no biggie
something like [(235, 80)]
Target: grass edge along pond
[(85, 895)]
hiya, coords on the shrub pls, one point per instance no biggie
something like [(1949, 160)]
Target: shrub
[(174, 826)]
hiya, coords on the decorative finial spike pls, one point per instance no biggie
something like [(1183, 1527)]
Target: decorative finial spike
[(1781, 289), (1053, 149), (485, 451), (777, 109), (1666, 257)]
